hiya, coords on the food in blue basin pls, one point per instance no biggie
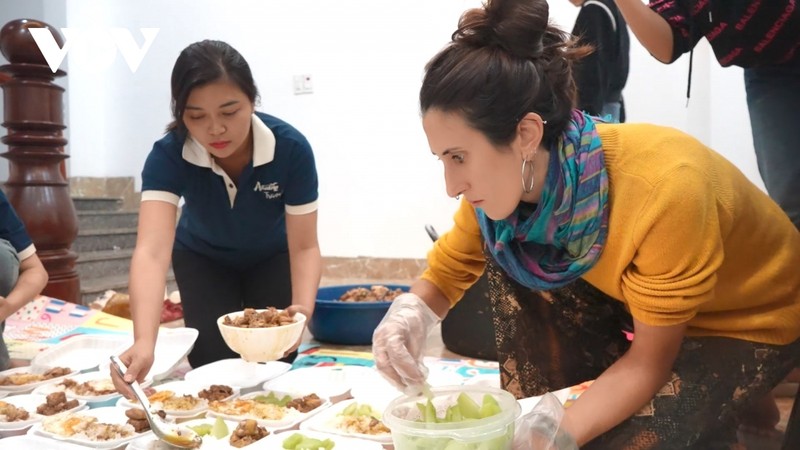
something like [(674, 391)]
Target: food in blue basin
[(350, 322)]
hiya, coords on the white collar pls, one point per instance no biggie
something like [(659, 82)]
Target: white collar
[(263, 147)]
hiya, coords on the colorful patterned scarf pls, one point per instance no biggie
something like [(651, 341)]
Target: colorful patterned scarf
[(565, 234)]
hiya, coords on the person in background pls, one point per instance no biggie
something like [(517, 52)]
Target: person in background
[(591, 229), (247, 235), (763, 37), (600, 77), (22, 275)]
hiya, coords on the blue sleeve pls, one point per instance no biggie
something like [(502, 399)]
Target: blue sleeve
[(303, 185), (11, 227), (163, 169)]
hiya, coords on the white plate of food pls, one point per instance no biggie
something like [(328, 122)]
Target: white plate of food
[(29, 442), (374, 388), (20, 412), (284, 440), (237, 372), (215, 437), (527, 404), (484, 379), (329, 381), (181, 399), (22, 380), (351, 418), (105, 428), (275, 410), (95, 388)]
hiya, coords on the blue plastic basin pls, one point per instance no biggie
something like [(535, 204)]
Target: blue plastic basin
[(347, 323)]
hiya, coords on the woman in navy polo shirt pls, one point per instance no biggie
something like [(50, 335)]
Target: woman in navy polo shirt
[(247, 234), (22, 275)]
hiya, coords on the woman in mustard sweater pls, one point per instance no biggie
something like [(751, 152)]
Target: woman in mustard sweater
[(611, 227)]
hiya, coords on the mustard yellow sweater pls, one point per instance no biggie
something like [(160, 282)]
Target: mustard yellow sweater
[(690, 240)]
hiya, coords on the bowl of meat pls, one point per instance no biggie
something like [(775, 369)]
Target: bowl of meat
[(261, 335), (348, 314)]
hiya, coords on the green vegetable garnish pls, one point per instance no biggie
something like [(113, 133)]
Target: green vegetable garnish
[(202, 430), (464, 409), (220, 428), (355, 410), (273, 399), (298, 441)]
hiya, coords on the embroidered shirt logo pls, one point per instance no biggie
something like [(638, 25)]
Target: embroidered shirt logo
[(271, 190)]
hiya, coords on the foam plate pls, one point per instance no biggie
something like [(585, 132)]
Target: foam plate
[(209, 442), (172, 346), (100, 376), (28, 402), (26, 388), (82, 353), (109, 414), (325, 422), (375, 389), (328, 381), (28, 442), (485, 379), (275, 441), (290, 419), (236, 372), (527, 404), (180, 388)]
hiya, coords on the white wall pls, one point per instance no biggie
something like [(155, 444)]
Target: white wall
[(379, 182)]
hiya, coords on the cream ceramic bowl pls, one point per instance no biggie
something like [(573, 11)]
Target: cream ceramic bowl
[(261, 344)]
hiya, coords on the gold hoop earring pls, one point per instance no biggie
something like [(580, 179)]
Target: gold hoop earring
[(527, 187)]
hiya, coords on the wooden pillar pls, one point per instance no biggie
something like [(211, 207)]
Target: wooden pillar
[(37, 186)]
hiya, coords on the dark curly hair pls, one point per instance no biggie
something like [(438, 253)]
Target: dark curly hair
[(504, 61)]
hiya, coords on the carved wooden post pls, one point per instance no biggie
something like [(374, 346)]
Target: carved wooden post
[(37, 186)]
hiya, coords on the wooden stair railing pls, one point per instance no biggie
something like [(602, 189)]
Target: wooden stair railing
[(37, 186)]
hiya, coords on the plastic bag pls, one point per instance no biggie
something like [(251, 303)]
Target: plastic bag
[(540, 429)]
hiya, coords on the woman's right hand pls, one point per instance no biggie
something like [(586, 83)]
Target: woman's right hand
[(139, 359), (398, 341)]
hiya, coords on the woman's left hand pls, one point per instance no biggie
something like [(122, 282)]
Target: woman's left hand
[(541, 428)]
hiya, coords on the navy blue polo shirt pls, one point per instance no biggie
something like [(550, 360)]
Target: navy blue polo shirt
[(13, 230), (237, 225)]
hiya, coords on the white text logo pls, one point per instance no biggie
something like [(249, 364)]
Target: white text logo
[(271, 190), (96, 48)]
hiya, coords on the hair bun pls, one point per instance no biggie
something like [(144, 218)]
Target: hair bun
[(515, 26)]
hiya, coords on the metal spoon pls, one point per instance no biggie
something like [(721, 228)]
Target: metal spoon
[(174, 435)]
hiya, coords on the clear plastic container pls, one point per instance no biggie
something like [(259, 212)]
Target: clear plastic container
[(495, 432)]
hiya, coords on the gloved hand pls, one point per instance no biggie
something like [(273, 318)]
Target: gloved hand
[(398, 341), (540, 429)]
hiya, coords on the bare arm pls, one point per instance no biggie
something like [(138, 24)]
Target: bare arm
[(32, 279), (151, 258), (652, 30), (628, 384), (432, 296), (305, 260)]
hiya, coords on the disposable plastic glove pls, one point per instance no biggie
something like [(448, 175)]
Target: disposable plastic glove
[(398, 341), (540, 429)]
